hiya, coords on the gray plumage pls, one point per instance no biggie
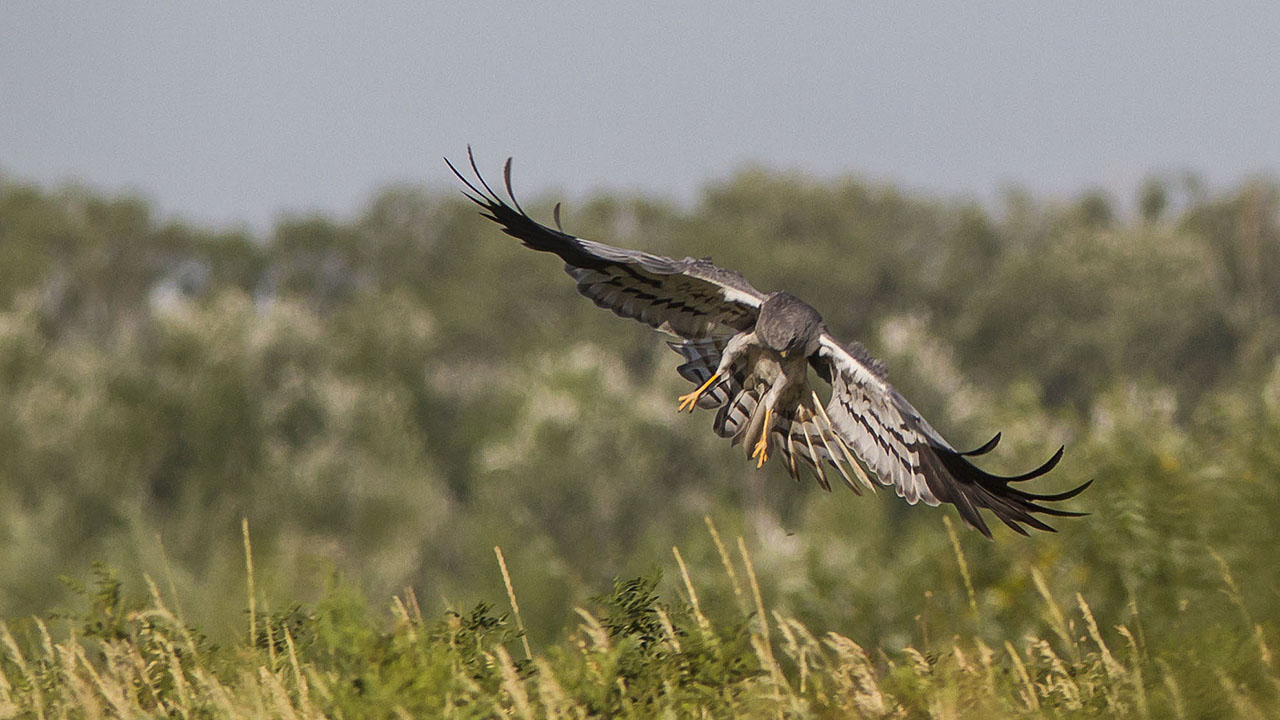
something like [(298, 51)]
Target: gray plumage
[(749, 353), (787, 323)]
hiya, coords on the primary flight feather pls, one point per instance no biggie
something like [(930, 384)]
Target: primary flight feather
[(749, 353)]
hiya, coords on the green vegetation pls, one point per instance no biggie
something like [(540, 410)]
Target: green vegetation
[(386, 399), (630, 654)]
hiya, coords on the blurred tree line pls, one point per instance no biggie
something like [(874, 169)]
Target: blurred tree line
[(394, 394)]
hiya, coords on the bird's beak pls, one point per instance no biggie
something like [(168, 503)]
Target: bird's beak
[(783, 353)]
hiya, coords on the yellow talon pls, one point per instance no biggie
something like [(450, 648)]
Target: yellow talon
[(762, 446), (762, 452), (690, 401)]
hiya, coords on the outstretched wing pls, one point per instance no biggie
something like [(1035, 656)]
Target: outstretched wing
[(903, 450), (688, 297)]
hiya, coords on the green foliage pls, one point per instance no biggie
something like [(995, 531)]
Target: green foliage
[(631, 611), (636, 656), (106, 616), (391, 396)]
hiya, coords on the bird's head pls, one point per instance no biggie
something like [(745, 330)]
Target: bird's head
[(788, 325)]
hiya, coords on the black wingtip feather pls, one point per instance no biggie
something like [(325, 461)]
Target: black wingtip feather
[(478, 193), (513, 219), (986, 448), (1056, 497), (506, 177), (1048, 465), (955, 480), (471, 156)]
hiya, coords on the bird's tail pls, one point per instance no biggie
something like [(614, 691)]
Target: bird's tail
[(806, 434), (803, 436)]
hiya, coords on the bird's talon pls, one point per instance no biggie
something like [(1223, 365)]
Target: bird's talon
[(762, 445), (761, 451), (690, 401)]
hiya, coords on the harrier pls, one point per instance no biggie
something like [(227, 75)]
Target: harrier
[(749, 354)]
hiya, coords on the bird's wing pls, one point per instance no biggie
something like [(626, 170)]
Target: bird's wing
[(688, 297), (891, 438)]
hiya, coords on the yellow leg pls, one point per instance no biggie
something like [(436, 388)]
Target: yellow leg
[(690, 401), (762, 447)]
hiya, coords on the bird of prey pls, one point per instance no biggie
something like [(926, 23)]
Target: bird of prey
[(749, 353)]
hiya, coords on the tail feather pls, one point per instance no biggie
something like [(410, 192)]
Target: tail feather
[(808, 437), (735, 415), (805, 437)]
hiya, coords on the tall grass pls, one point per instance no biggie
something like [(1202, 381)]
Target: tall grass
[(631, 654)]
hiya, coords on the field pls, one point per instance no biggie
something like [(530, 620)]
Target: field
[(393, 466)]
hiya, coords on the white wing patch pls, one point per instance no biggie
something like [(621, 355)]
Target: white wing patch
[(735, 295), (869, 415), (894, 441)]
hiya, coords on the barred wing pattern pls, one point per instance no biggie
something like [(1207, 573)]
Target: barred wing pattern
[(690, 298), (868, 424), (903, 450)]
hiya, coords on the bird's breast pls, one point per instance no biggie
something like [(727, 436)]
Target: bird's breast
[(768, 368)]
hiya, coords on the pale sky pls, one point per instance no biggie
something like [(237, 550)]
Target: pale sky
[(238, 111)]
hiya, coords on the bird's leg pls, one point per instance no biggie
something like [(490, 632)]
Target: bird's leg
[(732, 350), (762, 446), (690, 401)]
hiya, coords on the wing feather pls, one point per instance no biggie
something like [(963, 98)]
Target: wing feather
[(894, 441), (690, 298)]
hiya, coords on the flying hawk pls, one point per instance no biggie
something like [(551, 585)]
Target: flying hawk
[(749, 354)]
